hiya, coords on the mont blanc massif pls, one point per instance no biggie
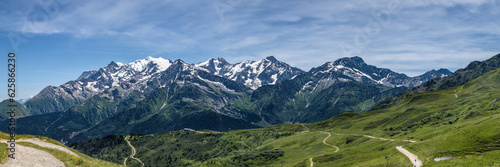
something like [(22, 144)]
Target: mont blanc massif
[(268, 113)]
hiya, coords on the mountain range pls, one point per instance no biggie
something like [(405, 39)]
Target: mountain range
[(253, 74), (154, 95), (457, 126)]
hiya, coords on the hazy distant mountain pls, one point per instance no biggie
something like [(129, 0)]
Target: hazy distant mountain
[(474, 70), (22, 101)]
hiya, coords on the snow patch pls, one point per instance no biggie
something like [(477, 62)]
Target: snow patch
[(275, 79), (204, 64), (140, 65), (217, 84)]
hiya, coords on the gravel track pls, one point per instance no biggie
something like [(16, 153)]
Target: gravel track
[(413, 158), (31, 157)]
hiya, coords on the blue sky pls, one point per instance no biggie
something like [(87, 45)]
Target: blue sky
[(56, 40)]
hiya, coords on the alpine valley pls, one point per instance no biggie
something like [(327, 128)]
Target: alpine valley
[(456, 126), (155, 95), (267, 113)]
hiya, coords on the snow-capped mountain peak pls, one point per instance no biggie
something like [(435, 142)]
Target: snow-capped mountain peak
[(253, 74), (140, 65), (213, 65), (350, 61), (355, 69), (162, 63), (271, 58), (114, 74), (150, 73)]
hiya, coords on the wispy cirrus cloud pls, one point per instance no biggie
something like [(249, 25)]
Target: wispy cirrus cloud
[(419, 35), (256, 26)]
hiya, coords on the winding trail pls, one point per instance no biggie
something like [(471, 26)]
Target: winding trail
[(415, 161), (133, 153), (31, 157), (413, 158), (324, 142), (306, 128)]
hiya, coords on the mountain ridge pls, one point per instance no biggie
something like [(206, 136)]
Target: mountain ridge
[(430, 125), (472, 71), (196, 91), (253, 74)]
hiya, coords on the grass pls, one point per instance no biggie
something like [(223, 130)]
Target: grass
[(441, 123), (68, 159), (71, 160), (466, 127), (4, 153)]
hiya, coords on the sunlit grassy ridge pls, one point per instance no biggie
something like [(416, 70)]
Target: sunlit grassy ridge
[(463, 122), (68, 159), (466, 126)]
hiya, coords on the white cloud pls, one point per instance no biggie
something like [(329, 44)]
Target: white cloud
[(302, 33)]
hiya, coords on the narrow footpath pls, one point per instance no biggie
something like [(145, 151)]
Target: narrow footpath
[(131, 155), (413, 158), (324, 142), (306, 128)]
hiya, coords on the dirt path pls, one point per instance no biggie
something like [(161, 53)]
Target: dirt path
[(413, 158), (133, 153), (373, 137), (306, 128), (30, 157), (48, 145), (324, 142)]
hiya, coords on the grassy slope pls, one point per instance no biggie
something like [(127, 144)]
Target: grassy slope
[(460, 77), (467, 127), (442, 125), (67, 159), (4, 153), (20, 110)]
